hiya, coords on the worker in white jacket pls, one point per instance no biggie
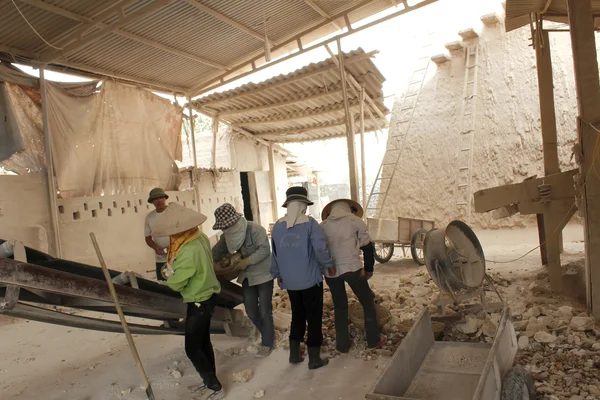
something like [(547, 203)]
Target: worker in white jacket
[(346, 236)]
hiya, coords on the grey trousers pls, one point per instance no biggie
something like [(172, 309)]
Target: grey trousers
[(259, 307), (360, 287)]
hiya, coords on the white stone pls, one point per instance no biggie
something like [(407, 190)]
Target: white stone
[(419, 280), (581, 324), (470, 326), (576, 397), (565, 312), (523, 342), (420, 291), (243, 376), (544, 337), (596, 346), (489, 328), (259, 394), (531, 312), (176, 374), (125, 392)]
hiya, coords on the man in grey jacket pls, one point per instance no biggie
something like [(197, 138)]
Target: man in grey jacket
[(250, 239)]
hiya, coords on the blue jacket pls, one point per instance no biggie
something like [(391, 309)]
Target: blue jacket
[(300, 254)]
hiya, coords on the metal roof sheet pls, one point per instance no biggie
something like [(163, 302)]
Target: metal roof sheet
[(518, 11), (304, 105), (144, 40)]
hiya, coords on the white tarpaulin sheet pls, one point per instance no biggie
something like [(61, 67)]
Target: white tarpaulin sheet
[(120, 140)]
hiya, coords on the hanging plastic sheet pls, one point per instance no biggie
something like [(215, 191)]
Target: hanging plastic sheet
[(119, 140), (10, 137)]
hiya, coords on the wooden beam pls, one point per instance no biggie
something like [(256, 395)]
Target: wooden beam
[(349, 128), (587, 84), (228, 20), (363, 168), (323, 13), (318, 125), (546, 96), (272, 183), (90, 23), (51, 55), (214, 83), (195, 184), (52, 187)]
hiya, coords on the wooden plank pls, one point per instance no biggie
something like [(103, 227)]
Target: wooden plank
[(587, 85), (383, 230)]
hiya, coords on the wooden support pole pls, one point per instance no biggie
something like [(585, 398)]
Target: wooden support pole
[(273, 187), (349, 129), (195, 183), (587, 85), (363, 167), (50, 167), (549, 139), (215, 132)]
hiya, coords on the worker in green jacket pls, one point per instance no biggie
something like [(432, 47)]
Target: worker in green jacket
[(189, 271)]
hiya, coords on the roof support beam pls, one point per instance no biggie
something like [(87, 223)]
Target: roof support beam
[(353, 103), (90, 22), (318, 125), (228, 20), (220, 80), (50, 56), (587, 84), (323, 13)]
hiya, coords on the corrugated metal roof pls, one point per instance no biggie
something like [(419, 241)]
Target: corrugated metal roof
[(304, 105), (164, 30), (518, 11)]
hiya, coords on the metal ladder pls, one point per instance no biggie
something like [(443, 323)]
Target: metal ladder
[(467, 130), (389, 163)]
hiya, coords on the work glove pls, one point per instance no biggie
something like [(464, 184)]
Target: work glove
[(242, 264), (167, 271)]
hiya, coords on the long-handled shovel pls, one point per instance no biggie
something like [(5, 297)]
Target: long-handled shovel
[(111, 287)]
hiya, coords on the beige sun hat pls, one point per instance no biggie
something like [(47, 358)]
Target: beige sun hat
[(355, 207), (176, 219)]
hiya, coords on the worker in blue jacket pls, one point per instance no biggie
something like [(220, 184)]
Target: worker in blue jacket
[(299, 259)]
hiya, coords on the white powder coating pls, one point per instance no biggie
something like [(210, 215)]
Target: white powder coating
[(508, 140)]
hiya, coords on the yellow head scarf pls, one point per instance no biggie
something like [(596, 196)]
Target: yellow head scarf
[(179, 240)]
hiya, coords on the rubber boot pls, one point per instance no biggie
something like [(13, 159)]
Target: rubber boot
[(295, 356), (314, 358)]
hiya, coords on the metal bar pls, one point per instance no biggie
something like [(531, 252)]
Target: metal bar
[(50, 167), (362, 149)]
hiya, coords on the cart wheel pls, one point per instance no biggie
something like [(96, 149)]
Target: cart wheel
[(383, 252), (416, 246), (517, 385)]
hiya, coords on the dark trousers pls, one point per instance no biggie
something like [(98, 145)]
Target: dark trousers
[(307, 307), (360, 287), (258, 301), (158, 274), (198, 347)]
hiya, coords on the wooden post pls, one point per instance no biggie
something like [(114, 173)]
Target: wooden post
[(50, 167), (349, 129), (195, 184), (587, 85), (274, 204), (215, 132), (549, 244), (362, 150)]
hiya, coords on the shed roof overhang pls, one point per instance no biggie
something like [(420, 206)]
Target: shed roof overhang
[(519, 12), (184, 46)]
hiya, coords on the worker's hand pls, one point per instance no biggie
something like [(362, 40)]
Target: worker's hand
[(331, 271), (242, 264), (167, 271), (161, 251)]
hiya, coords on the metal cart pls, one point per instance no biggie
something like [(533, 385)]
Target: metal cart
[(406, 233)]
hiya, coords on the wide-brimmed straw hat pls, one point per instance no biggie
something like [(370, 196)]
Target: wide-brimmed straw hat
[(297, 193), (176, 219), (355, 207), (225, 216), (156, 193)]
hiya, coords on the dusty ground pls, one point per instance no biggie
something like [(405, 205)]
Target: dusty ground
[(52, 362)]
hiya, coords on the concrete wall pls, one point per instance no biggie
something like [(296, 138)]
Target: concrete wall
[(508, 137), (25, 210)]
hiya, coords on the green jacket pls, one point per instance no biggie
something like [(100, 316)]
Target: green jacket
[(193, 272)]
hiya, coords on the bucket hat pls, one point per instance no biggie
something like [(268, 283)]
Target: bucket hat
[(176, 219), (225, 216), (156, 193), (297, 193)]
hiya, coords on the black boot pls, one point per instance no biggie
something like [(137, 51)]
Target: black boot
[(314, 358), (295, 356)]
